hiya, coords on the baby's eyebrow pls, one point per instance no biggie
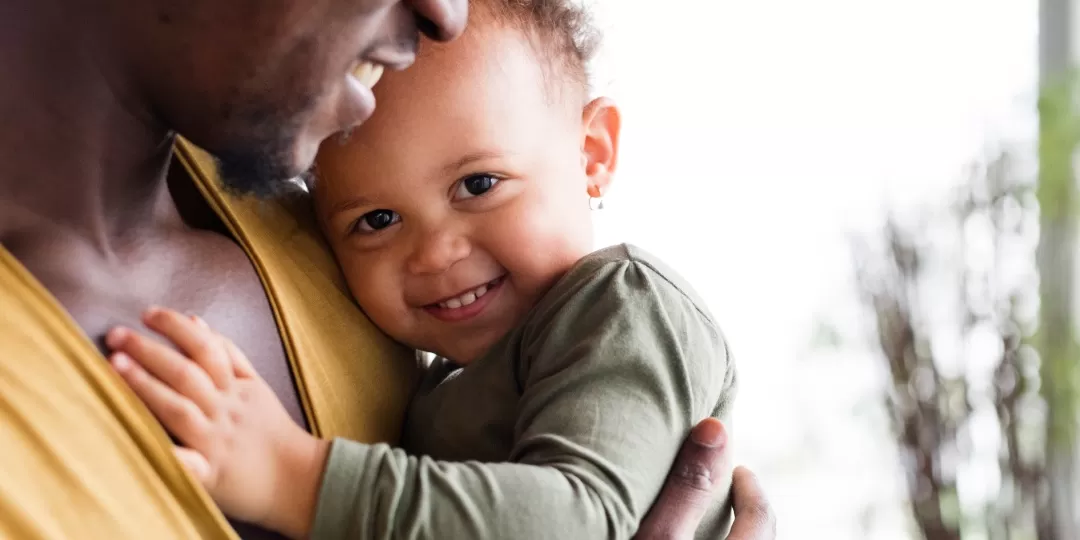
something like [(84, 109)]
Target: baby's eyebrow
[(348, 204), (467, 159)]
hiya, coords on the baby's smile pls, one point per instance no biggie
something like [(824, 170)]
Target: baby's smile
[(468, 304)]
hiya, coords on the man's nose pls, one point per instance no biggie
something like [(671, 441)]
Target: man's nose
[(441, 20), (437, 252)]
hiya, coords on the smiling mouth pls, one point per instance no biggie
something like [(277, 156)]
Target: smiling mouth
[(468, 297), (466, 305), (368, 73)]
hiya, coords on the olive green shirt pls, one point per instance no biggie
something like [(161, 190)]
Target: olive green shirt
[(565, 429)]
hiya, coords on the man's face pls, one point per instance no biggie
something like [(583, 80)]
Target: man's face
[(260, 83)]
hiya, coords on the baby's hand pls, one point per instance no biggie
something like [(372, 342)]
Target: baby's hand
[(254, 460)]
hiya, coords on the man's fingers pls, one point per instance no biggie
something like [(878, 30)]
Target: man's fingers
[(197, 341), (167, 366), (179, 415), (754, 517), (195, 463), (699, 473)]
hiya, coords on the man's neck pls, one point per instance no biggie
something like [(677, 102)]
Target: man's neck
[(80, 149)]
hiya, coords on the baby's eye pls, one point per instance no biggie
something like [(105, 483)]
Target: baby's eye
[(474, 186), (376, 220)]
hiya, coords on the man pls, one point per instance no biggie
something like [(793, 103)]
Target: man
[(98, 222)]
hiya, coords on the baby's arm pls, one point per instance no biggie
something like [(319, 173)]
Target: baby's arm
[(617, 372), (616, 376), (259, 466)]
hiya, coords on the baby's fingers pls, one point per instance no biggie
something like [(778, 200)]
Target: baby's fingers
[(241, 366), (195, 463), (197, 341), (167, 366), (179, 415)]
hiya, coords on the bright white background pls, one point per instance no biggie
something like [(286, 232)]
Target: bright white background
[(758, 135)]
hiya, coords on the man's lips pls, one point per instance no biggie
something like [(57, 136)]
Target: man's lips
[(467, 304), (357, 102)]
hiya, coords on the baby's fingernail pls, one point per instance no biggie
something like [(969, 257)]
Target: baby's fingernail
[(115, 337), (151, 314), (200, 469), (199, 321), (121, 361), (709, 433)]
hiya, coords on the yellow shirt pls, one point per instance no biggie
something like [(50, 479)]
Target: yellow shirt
[(80, 457)]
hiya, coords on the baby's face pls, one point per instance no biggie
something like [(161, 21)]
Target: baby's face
[(456, 206)]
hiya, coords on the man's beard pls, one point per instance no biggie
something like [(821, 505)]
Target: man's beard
[(264, 163), (264, 171)]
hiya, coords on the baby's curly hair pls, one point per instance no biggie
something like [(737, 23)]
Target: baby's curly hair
[(562, 31)]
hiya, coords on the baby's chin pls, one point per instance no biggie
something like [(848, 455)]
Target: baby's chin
[(462, 342)]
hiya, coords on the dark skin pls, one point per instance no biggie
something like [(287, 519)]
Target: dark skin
[(93, 94)]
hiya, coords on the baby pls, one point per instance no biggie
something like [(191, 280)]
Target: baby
[(565, 380)]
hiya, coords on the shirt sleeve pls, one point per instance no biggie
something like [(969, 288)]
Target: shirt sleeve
[(615, 370)]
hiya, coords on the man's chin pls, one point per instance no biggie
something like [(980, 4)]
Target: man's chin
[(264, 175)]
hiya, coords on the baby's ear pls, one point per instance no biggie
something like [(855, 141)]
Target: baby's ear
[(601, 123)]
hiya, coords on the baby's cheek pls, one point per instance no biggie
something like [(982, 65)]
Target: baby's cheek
[(555, 240), (380, 296), (389, 314), (364, 285), (547, 260)]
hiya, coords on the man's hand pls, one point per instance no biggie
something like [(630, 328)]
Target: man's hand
[(754, 518), (690, 486), (240, 442)]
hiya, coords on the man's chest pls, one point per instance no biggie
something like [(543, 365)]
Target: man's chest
[(204, 274), (199, 273)]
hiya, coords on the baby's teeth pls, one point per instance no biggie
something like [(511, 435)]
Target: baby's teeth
[(465, 299)]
